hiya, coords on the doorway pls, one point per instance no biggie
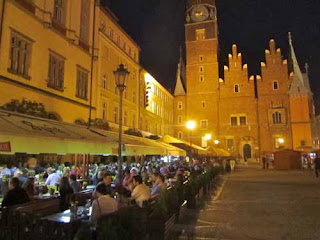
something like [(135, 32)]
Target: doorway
[(247, 151)]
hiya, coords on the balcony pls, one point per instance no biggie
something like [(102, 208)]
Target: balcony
[(28, 5), (59, 27), (84, 45)]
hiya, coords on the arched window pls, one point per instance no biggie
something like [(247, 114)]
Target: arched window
[(180, 135), (236, 88), (276, 118), (275, 85)]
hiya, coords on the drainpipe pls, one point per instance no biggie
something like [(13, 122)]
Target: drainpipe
[(96, 3), (2, 17)]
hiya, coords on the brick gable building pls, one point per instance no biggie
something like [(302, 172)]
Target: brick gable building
[(247, 115)]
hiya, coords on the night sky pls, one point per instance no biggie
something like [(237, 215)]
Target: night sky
[(158, 27)]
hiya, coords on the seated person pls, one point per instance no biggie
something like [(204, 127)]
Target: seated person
[(75, 185), (16, 195), (140, 192), (104, 204), (29, 187), (106, 180), (159, 184)]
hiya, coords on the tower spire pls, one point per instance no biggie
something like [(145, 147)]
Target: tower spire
[(298, 83), (180, 89)]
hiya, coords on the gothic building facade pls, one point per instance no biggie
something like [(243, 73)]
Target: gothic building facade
[(249, 116)]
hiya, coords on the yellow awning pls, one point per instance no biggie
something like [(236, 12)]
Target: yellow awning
[(172, 140), (27, 134), (218, 152)]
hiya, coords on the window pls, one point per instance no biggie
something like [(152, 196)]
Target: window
[(124, 46), (134, 55), (275, 85), (204, 123), (110, 33), (201, 58), (134, 97), (201, 69), (179, 119), (115, 115), (104, 81), (236, 88), (104, 111), (200, 34), (201, 78), (20, 55), (129, 51), (118, 39), (84, 20), (180, 135), (203, 104), (276, 118), (82, 83), (234, 121), (303, 143), (230, 144), (243, 120), (125, 118), (179, 105), (59, 11), (56, 71)]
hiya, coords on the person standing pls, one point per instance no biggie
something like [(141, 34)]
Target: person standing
[(317, 164), (267, 162), (264, 160), (65, 193)]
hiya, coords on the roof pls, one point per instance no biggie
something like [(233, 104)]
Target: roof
[(298, 84), (180, 80)]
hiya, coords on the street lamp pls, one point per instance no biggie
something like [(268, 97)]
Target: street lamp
[(208, 136), (216, 142), (121, 75), (191, 125)]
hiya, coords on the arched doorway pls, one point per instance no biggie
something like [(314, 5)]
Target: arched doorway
[(247, 151)]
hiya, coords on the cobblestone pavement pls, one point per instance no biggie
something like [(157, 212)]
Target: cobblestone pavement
[(258, 204)]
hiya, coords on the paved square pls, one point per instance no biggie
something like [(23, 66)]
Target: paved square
[(258, 204)]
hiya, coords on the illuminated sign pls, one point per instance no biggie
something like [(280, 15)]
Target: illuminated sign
[(5, 147)]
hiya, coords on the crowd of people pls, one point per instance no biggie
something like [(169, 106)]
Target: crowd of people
[(139, 183)]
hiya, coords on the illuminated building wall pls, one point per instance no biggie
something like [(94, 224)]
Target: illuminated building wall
[(45, 56)]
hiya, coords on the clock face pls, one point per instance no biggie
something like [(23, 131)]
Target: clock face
[(199, 13)]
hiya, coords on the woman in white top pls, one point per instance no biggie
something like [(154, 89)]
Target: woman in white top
[(104, 204)]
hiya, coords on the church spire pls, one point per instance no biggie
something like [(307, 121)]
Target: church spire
[(180, 89), (298, 84)]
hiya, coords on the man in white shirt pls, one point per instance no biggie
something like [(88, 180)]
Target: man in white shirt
[(53, 179), (140, 192)]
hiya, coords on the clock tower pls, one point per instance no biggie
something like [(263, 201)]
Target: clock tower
[(202, 70)]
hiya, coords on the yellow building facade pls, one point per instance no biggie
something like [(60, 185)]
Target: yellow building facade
[(45, 55), (51, 54)]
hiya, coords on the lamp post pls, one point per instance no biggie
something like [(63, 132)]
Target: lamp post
[(121, 75), (190, 125)]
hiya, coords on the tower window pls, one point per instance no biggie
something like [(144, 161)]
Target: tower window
[(179, 105), (201, 58), (234, 121), (179, 119), (243, 120), (236, 88), (276, 118), (201, 69), (200, 34), (275, 85), (203, 104), (201, 78), (204, 123)]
